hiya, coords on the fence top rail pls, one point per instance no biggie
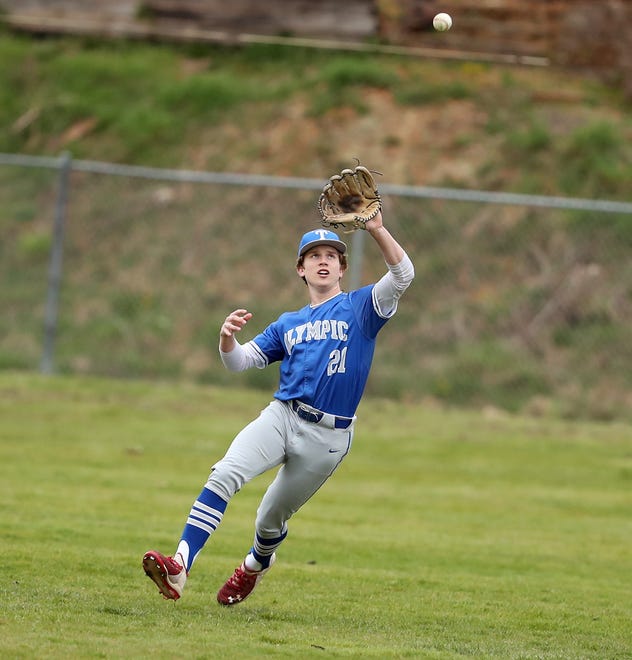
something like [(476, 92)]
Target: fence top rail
[(228, 178)]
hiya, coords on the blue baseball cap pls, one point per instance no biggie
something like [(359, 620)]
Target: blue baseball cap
[(320, 237)]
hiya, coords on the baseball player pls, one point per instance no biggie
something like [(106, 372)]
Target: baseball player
[(325, 350)]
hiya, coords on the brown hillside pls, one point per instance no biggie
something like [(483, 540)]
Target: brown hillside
[(580, 34)]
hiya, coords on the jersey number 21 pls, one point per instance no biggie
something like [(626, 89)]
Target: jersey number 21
[(337, 361)]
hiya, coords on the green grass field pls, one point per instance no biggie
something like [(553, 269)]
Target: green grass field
[(443, 535)]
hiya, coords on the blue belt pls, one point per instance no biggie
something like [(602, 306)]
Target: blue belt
[(315, 416)]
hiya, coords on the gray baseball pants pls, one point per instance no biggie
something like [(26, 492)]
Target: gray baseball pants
[(308, 453)]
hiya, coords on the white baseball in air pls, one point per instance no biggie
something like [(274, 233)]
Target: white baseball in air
[(442, 22)]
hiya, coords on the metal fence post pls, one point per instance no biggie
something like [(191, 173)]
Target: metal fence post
[(357, 257), (55, 268)]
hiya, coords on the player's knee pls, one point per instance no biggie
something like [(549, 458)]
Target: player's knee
[(224, 482), (271, 523), (270, 529)]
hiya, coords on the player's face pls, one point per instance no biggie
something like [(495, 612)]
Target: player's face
[(321, 266)]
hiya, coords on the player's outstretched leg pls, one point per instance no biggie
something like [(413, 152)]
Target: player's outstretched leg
[(241, 584), (167, 572)]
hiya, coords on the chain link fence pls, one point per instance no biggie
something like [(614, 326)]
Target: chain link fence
[(520, 303)]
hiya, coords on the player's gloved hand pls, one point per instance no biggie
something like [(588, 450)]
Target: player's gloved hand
[(349, 200)]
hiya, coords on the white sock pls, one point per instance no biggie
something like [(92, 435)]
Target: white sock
[(251, 563), (182, 553)]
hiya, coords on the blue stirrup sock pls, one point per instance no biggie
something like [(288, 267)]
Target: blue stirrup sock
[(263, 548), (205, 516)]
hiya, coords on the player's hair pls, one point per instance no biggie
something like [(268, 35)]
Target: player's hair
[(341, 257)]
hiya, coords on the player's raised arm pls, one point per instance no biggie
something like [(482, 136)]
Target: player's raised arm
[(393, 252), (389, 289)]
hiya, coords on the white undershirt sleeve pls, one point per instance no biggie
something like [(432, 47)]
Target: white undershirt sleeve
[(244, 357), (388, 291)]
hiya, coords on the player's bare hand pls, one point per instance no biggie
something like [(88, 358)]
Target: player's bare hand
[(375, 223), (235, 322)]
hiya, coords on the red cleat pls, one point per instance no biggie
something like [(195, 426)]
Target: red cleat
[(168, 574), (241, 584)]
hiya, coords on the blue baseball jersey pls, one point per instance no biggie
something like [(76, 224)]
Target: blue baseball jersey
[(325, 351)]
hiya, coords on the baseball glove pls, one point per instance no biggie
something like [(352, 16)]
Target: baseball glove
[(349, 200)]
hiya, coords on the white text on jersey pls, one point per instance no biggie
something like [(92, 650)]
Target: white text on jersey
[(315, 331)]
